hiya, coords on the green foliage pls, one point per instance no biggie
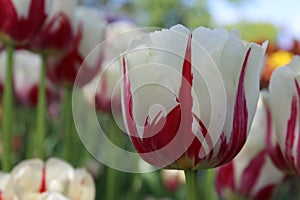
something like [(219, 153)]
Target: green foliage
[(169, 12), (256, 31)]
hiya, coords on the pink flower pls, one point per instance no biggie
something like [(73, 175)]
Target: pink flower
[(171, 96)]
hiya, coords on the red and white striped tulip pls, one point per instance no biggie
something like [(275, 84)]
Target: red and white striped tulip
[(188, 98), (107, 97), (57, 33), (26, 75), (272, 144), (284, 90), (90, 31), (20, 20), (251, 174), (33, 178)]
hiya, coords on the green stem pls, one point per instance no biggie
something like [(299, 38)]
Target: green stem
[(209, 183), (8, 109), (41, 110), (111, 182), (31, 133), (191, 184), (115, 136), (68, 138)]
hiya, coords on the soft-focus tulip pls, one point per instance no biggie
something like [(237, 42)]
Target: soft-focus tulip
[(119, 35), (89, 26), (45, 196), (55, 176), (26, 75), (272, 145), (172, 179), (82, 185), (251, 174), (4, 177), (170, 88), (20, 20), (285, 104), (57, 32)]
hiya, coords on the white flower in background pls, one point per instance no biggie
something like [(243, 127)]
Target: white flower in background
[(33, 179), (89, 26), (172, 179), (26, 75), (104, 91)]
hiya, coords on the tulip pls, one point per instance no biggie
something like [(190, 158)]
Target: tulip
[(272, 145), (55, 176), (284, 104), (172, 179), (26, 75), (251, 174), (4, 177), (107, 95), (82, 185), (45, 196), (165, 126), (21, 20), (162, 115), (57, 32), (90, 31)]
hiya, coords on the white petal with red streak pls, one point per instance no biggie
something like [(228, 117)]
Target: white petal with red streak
[(93, 24), (82, 186), (58, 175), (282, 89)]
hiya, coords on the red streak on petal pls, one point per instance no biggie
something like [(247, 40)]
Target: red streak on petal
[(290, 134), (251, 173), (185, 99), (128, 107), (265, 193), (56, 35), (82, 182), (225, 178), (185, 92), (102, 98), (65, 68), (43, 187), (240, 120), (159, 134), (197, 145), (274, 152), (298, 145)]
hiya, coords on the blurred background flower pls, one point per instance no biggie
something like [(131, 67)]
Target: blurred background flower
[(251, 174), (89, 25), (284, 101), (53, 176)]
